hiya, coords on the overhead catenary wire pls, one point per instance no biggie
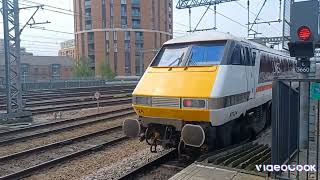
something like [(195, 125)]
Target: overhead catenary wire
[(275, 28), (93, 18)]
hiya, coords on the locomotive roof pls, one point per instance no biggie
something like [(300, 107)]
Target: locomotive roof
[(202, 36), (217, 36)]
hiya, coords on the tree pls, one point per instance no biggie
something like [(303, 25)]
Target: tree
[(106, 71), (82, 69)]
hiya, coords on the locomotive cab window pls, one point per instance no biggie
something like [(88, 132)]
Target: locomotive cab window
[(197, 54), (206, 54), (171, 56)]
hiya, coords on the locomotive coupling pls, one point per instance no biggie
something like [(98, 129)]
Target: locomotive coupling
[(131, 127), (193, 135)]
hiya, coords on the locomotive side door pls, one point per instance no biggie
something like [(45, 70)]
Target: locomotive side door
[(249, 64)]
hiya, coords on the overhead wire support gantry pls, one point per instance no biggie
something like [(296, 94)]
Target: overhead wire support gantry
[(184, 4), (188, 4), (11, 28)]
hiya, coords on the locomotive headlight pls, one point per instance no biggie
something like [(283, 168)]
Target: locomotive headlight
[(195, 103), (141, 100)]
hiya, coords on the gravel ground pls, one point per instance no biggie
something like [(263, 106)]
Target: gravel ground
[(75, 113), (77, 104), (32, 143), (11, 166), (161, 173), (265, 137), (110, 163)]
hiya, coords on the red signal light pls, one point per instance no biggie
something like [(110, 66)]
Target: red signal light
[(304, 33)]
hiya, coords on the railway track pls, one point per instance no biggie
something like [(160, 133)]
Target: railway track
[(43, 95), (33, 160), (73, 106), (68, 100), (168, 159), (41, 130), (241, 156)]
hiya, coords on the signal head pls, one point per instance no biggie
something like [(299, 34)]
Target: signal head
[(304, 33)]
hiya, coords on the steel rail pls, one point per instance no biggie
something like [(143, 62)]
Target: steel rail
[(50, 124), (68, 107), (47, 95), (101, 119), (68, 100), (60, 143), (28, 171)]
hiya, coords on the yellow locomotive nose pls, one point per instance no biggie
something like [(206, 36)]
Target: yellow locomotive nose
[(161, 90), (193, 82)]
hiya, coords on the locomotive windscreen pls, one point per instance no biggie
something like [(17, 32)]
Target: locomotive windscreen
[(200, 54)]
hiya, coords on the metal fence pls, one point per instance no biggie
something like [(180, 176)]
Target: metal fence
[(295, 138), (71, 83)]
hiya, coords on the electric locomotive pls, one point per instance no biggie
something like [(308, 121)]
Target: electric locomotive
[(206, 90)]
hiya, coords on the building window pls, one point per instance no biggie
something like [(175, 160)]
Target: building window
[(111, 14), (127, 46), (139, 36), (127, 66), (139, 46), (36, 70), (127, 35), (91, 47), (88, 19), (136, 23), (55, 71), (124, 22), (107, 35), (107, 48), (104, 15), (139, 64), (87, 4), (123, 10), (107, 44), (115, 59), (115, 46), (135, 12), (90, 37), (25, 70), (115, 36), (135, 2)]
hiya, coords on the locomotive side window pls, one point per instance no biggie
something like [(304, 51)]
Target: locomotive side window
[(206, 54), (248, 57), (236, 55), (254, 56)]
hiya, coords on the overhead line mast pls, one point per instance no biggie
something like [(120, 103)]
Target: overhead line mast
[(10, 11)]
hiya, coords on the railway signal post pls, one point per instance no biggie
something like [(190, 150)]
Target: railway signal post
[(304, 34)]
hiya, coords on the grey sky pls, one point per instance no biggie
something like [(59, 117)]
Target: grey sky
[(42, 42)]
